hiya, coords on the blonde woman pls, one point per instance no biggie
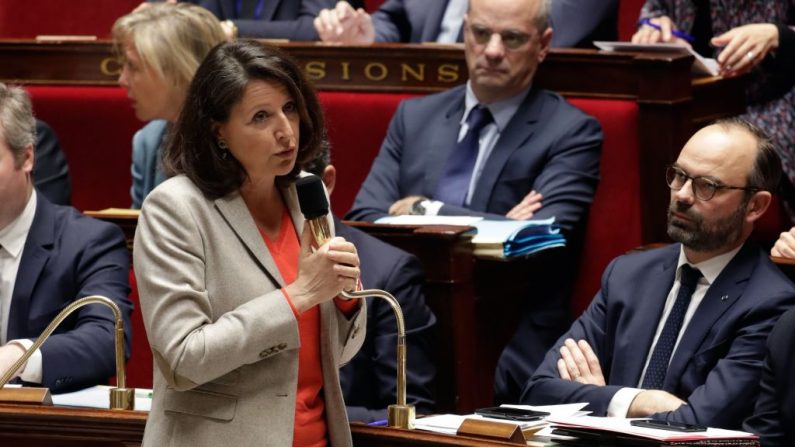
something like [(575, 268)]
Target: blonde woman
[(161, 46)]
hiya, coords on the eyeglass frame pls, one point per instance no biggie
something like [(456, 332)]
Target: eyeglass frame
[(486, 38), (715, 185)]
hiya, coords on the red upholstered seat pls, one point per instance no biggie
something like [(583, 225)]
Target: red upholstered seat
[(357, 124), (628, 13), (614, 224), (95, 126), (29, 18), (139, 367)]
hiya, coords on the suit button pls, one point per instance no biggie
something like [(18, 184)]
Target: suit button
[(263, 354), (282, 346)]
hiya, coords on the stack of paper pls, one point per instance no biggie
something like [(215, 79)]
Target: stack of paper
[(701, 65), (509, 238), (449, 423), (618, 431)]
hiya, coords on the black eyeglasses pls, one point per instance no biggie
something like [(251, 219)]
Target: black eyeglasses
[(704, 188), (512, 40)]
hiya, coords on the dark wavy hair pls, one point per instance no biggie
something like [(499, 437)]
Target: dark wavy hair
[(216, 88)]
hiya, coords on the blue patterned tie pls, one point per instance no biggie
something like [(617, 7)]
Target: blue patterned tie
[(658, 365), (454, 182)]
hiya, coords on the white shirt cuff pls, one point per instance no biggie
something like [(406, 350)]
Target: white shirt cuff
[(432, 207), (32, 372), (619, 404)]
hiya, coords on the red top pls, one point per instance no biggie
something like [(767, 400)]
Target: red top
[(310, 422)]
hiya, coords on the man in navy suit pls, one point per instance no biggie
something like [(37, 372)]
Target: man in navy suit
[(678, 333), (538, 157), (577, 23), (774, 416), (50, 256), (369, 381)]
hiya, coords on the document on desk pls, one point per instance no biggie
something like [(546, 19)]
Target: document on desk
[(702, 65), (99, 397), (410, 219), (627, 434), (449, 423)]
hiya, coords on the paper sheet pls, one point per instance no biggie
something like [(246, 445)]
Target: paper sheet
[(99, 397)]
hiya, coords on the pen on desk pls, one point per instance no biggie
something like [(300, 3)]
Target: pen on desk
[(378, 423), (677, 33)]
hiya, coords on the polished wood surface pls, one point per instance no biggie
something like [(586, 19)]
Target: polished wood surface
[(36, 426)]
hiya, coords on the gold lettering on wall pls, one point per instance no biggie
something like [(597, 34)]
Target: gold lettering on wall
[(346, 71), (381, 68), (110, 66), (406, 70), (447, 73), (316, 70)]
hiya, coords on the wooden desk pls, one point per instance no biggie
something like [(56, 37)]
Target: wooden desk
[(34, 426), (30, 426), (671, 103)]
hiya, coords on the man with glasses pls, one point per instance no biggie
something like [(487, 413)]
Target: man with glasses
[(501, 148), (577, 22), (678, 333)]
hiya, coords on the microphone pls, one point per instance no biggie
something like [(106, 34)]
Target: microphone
[(314, 206)]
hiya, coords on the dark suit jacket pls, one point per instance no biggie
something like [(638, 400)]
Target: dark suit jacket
[(716, 367), (548, 146), (369, 380), (576, 23), (69, 256), (280, 19), (774, 416), (50, 171)]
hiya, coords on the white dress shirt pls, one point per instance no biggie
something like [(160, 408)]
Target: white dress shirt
[(452, 21), (12, 240), (710, 269)]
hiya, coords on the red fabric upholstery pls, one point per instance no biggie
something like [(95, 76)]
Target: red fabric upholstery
[(357, 124), (372, 5), (29, 18), (614, 224), (95, 126), (139, 367), (628, 13)]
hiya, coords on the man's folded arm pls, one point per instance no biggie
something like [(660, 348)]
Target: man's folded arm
[(732, 386)]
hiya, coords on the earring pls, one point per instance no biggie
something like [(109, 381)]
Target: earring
[(224, 148)]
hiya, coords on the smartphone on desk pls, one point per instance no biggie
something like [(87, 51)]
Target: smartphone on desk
[(512, 414), (665, 425)]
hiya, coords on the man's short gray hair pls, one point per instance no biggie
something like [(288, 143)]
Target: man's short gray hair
[(17, 125)]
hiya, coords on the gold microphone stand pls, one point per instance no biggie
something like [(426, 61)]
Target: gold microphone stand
[(121, 398), (399, 415)]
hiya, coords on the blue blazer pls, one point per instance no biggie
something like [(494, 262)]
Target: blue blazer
[(280, 19), (576, 23), (549, 146), (774, 416), (69, 256), (369, 380), (147, 152), (716, 367)]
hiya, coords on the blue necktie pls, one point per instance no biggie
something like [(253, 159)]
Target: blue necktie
[(658, 364), (454, 182)]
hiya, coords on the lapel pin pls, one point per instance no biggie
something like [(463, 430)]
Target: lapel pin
[(724, 297)]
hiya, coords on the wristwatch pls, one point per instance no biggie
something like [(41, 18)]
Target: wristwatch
[(418, 207)]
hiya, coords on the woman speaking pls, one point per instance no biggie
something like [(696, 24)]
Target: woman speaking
[(241, 315)]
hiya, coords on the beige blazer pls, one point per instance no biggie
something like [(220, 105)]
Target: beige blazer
[(224, 338)]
